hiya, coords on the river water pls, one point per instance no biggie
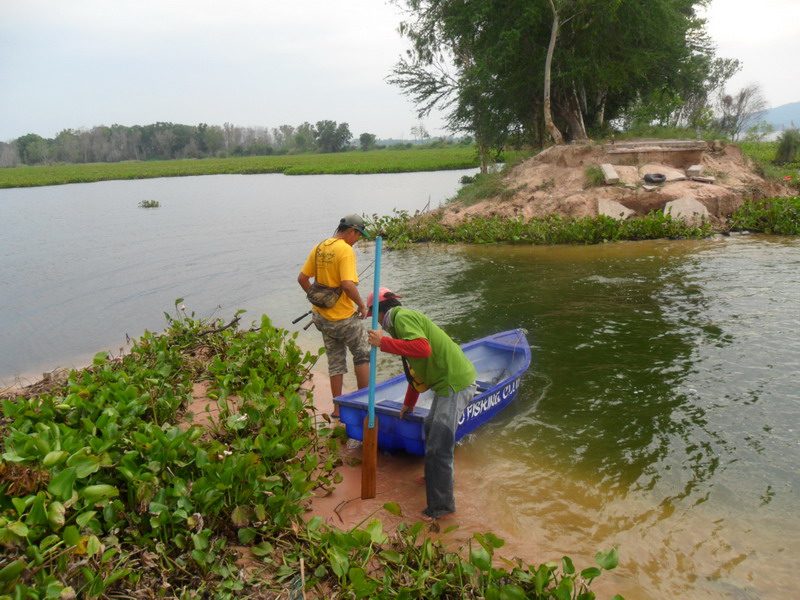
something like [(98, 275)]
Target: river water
[(660, 414)]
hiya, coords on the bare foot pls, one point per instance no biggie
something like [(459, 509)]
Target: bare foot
[(420, 479)]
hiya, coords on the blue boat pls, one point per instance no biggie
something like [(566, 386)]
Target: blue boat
[(499, 359)]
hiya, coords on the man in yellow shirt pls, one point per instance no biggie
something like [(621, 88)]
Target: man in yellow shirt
[(332, 262)]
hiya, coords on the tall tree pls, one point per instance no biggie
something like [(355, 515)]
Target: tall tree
[(367, 141), (548, 65), (488, 60), (8, 155), (737, 111), (332, 137), (32, 149)]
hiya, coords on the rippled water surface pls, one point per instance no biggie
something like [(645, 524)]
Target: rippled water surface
[(660, 414)]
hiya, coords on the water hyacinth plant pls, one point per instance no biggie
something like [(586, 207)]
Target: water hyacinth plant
[(106, 491), (402, 229), (102, 487), (778, 216)]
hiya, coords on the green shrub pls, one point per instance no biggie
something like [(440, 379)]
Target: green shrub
[(780, 216), (594, 177), (788, 146), (401, 229)]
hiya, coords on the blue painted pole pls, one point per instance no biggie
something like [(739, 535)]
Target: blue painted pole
[(373, 356)]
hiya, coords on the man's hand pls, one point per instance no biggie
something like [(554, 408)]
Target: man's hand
[(375, 336), (362, 311), (405, 409)]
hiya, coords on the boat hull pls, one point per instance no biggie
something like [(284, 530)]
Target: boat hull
[(500, 361)]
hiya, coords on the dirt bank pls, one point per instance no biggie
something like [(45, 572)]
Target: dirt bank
[(555, 182)]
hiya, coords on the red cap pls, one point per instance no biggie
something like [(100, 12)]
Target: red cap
[(383, 294)]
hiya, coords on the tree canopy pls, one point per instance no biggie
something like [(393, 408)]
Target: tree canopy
[(165, 141), (484, 62)]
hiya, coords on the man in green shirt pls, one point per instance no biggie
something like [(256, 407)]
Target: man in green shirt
[(439, 363)]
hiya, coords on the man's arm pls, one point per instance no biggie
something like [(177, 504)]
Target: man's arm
[(416, 348), (410, 401), (352, 292), (304, 281)]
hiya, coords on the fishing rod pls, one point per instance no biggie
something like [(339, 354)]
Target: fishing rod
[(304, 315)]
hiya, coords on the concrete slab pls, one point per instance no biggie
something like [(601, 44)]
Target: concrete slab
[(694, 171), (613, 209), (688, 208), (609, 174)]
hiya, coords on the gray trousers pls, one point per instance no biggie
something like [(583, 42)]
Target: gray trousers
[(440, 441)]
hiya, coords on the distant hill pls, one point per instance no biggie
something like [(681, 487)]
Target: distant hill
[(782, 117)]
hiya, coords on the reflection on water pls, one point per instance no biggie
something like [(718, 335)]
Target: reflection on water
[(659, 415)]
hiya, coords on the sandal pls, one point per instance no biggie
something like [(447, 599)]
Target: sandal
[(429, 519)]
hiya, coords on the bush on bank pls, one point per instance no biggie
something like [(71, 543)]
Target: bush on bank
[(779, 216), (402, 229), (103, 494)]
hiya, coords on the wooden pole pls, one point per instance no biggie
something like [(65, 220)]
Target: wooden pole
[(369, 447)]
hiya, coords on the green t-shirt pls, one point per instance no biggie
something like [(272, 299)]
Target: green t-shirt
[(446, 367)]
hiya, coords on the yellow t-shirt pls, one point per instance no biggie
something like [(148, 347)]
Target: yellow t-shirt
[(336, 262)]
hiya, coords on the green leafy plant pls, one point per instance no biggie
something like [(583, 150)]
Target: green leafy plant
[(788, 147), (779, 216), (104, 487), (402, 229), (149, 204)]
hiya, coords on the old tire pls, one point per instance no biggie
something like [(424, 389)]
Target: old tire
[(655, 178)]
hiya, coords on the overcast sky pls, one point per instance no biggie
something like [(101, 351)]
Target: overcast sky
[(80, 63)]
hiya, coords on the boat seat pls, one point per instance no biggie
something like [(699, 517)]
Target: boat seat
[(483, 385)]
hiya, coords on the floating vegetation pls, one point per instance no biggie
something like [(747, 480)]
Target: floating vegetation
[(402, 229), (779, 216), (106, 491), (149, 204)]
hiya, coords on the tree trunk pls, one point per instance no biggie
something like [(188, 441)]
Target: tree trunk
[(601, 109), (483, 154), (548, 116), (575, 116)]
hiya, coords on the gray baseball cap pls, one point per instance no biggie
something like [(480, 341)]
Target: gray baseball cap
[(356, 223)]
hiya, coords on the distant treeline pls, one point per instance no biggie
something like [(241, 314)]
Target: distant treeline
[(165, 141)]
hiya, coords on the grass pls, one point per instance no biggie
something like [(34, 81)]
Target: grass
[(763, 154), (358, 162), (594, 177), (492, 184), (104, 495)]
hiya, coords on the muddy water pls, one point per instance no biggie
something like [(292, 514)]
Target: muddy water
[(660, 414), (82, 265)]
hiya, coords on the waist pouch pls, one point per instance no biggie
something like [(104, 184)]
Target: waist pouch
[(323, 296)]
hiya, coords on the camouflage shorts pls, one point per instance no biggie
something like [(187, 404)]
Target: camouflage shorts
[(338, 336)]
